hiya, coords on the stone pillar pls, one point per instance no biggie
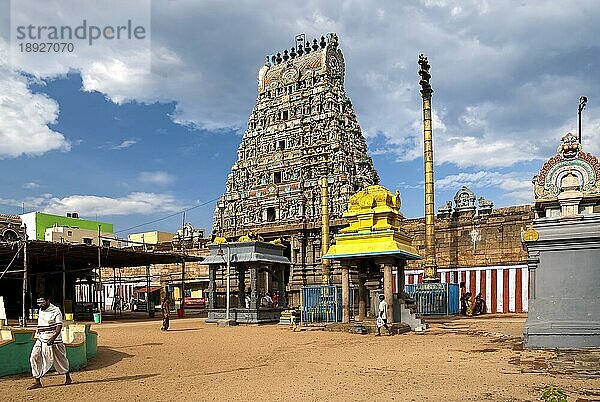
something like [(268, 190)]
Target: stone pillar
[(254, 287), (212, 286), (281, 296), (345, 294), (388, 290), (241, 287), (400, 281), (362, 296)]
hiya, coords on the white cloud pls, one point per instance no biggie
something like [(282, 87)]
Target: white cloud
[(479, 179), (516, 187), (30, 203), (160, 178), (500, 92), (134, 203), (125, 144), (30, 185), (25, 116)]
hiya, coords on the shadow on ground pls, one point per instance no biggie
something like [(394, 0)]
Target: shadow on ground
[(106, 357), (184, 329), (114, 379)]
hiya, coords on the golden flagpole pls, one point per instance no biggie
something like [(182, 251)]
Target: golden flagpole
[(430, 265)]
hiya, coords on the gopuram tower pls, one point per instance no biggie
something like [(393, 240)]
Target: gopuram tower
[(302, 130)]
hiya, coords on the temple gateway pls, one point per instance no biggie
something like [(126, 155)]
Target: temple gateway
[(303, 153)]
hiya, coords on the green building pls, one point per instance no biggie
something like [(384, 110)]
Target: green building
[(37, 223)]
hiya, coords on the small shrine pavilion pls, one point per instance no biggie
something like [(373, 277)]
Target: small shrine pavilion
[(237, 263), (372, 244)]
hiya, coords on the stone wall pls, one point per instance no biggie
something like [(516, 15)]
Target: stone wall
[(468, 239)]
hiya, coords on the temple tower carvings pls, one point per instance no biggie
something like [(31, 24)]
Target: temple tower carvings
[(302, 129)]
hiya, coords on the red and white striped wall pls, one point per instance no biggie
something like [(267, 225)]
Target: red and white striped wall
[(504, 288)]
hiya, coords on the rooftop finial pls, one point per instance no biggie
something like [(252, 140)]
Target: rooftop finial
[(425, 75), (315, 45)]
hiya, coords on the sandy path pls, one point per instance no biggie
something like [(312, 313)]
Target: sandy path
[(467, 359)]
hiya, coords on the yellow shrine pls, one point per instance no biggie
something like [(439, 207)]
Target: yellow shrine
[(374, 230)]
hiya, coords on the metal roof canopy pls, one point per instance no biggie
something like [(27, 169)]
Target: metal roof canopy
[(247, 252), (42, 254)]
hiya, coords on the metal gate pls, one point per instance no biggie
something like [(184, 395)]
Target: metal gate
[(324, 303), (434, 298)]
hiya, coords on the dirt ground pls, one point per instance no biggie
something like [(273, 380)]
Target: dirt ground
[(473, 359)]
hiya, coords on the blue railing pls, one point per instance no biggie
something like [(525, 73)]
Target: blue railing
[(323, 303), (434, 298)]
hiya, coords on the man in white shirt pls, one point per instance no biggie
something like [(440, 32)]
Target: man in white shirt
[(49, 348), (383, 315)]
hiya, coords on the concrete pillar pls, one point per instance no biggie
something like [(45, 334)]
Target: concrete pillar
[(388, 290), (212, 286), (241, 287), (345, 294), (254, 287), (362, 296), (281, 296)]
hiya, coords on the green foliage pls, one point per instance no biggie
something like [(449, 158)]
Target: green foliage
[(554, 394)]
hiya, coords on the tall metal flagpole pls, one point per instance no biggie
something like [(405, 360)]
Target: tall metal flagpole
[(430, 266)]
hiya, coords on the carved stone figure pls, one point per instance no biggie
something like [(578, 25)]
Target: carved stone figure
[(464, 200), (485, 206), (446, 210)]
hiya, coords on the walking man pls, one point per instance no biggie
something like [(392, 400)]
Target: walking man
[(382, 319), (166, 313), (49, 348)]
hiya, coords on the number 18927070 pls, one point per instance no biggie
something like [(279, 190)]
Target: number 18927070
[(46, 47)]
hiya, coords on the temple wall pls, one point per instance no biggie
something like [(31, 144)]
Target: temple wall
[(497, 238)]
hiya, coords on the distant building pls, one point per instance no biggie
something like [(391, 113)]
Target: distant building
[(189, 234), (67, 234), (154, 237), (70, 228)]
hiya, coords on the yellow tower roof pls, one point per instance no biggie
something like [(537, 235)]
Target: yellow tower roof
[(374, 230)]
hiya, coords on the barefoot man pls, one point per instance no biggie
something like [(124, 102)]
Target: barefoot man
[(49, 348)]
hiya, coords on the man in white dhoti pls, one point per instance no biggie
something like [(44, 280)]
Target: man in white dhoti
[(382, 318), (49, 348)]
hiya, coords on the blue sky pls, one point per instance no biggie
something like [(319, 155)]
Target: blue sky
[(124, 140)]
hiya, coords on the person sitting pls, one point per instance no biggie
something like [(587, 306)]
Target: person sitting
[(247, 298), (479, 306), (469, 305), (466, 304), (266, 301)]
